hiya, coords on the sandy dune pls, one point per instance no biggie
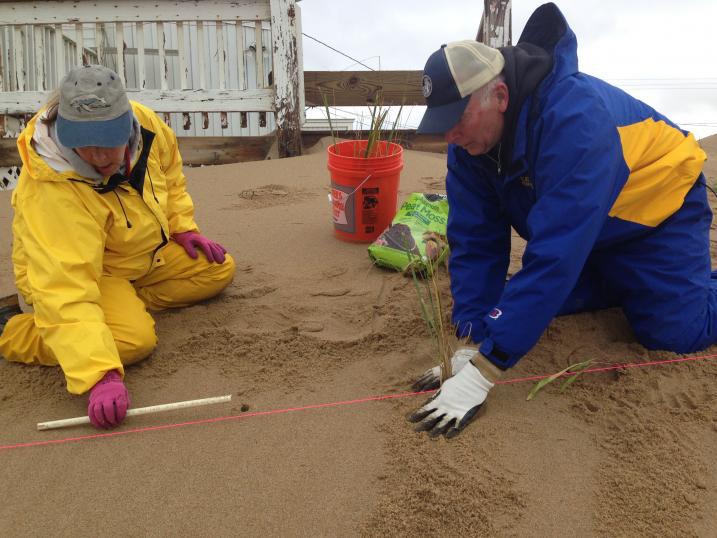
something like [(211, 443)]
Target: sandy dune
[(309, 321)]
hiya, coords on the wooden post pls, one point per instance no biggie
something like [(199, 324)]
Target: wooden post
[(141, 71), (240, 56), (200, 67), (286, 77), (200, 56), (497, 19), (221, 55), (183, 69), (161, 43), (119, 44), (300, 53), (3, 60), (40, 66), (259, 53), (19, 64), (99, 46), (59, 55), (79, 45)]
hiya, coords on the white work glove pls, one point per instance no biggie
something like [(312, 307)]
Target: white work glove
[(455, 405), (431, 378)]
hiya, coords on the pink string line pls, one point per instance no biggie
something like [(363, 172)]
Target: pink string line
[(606, 368), (330, 404)]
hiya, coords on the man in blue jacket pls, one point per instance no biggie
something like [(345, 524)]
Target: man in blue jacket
[(607, 192)]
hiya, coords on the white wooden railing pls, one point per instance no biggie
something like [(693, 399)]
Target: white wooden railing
[(209, 64)]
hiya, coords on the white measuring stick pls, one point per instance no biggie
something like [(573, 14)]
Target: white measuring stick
[(64, 423)]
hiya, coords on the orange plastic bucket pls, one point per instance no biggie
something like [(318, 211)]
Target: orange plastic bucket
[(364, 190)]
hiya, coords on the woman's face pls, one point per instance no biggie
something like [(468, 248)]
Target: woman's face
[(106, 161)]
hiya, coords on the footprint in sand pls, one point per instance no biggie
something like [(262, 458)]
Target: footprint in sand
[(436, 184), (311, 327), (269, 196), (333, 272), (252, 293)]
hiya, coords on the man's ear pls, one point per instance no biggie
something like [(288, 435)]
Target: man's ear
[(502, 96)]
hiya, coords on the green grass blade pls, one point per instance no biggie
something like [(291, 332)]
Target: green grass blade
[(543, 382), (328, 115), (577, 370), (392, 136), (425, 312)]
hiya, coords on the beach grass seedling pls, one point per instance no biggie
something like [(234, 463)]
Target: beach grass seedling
[(392, 135), (328, 116), (432, 311), (379, 116), (571, 373)]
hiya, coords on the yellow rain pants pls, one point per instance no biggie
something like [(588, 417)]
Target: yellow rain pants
[(181, 281)]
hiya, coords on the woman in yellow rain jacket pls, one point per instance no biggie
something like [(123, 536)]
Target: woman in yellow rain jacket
[(103, 230)]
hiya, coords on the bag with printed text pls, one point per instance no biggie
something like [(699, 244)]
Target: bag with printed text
[(416, 239)]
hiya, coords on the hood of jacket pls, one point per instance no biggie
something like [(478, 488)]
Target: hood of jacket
[(545, 52)]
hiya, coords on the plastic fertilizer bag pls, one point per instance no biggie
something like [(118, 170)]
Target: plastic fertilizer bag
[(416, 239)]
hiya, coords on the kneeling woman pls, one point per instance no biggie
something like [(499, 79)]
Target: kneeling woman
[(103, 231)]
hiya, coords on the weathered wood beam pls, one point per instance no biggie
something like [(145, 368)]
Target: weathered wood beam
[(342, 88), (360, 88)]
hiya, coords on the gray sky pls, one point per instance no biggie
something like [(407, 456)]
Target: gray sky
[(663, 52)]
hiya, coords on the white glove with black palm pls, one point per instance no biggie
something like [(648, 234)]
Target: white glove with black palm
[(460, 398), (431, 378)]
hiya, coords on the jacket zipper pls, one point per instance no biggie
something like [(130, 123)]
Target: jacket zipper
[(164, 236), (161, 229)]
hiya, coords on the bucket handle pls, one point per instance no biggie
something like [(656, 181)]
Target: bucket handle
[(357, 188), (360, 184)]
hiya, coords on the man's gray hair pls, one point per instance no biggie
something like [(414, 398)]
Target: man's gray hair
[(486, 92)]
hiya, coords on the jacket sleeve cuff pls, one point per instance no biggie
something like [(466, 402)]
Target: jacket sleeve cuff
[(499, 358)]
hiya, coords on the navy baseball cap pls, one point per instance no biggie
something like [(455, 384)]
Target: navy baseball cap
[(94, 109), (450, 76)]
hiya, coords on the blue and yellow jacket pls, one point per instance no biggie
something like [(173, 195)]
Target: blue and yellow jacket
[(591, 167)]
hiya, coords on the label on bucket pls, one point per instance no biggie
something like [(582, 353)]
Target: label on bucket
[(343, 208), (369, 208)]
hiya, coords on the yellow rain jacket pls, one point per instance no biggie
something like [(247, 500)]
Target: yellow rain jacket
[(67, 236)]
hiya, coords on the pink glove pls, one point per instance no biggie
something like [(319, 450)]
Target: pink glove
[(108, 402), (190, 240)]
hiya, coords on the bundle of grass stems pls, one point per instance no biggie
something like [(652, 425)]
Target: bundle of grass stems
[(441, 330), (379, 117), (433, 313)]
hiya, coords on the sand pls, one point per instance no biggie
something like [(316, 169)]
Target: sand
[(309, 321)]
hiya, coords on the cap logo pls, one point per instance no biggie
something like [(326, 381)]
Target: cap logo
[(88, 103), (427, 86)]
